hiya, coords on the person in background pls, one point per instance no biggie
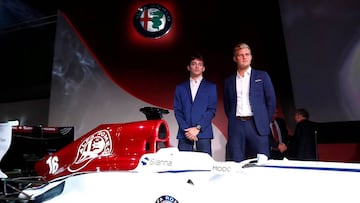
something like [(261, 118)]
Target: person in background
[(249, 104), (195, 103), (279, 136), (303, 143)]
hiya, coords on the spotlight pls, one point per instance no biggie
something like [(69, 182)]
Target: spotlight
[(15, 122)]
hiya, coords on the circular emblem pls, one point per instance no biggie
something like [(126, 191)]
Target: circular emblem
[(166, 199), (152, 20)]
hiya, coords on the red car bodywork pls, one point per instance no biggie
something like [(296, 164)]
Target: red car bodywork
[(107, 147)]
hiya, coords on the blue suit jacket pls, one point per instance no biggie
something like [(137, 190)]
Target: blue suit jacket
[(200, 112), (262, 101)]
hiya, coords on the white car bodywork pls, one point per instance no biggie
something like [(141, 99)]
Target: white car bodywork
[(192, 177)]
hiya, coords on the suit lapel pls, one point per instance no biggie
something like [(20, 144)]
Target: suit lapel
[(199, 90), (252, 80), (188, 91), (233, 90)]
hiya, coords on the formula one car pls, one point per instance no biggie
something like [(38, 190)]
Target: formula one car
[(188, 177), (135, 162)]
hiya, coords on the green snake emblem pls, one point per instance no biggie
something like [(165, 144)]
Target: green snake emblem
[(156, 19)]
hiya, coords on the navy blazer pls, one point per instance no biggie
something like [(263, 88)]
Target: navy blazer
[(262, 101), (200, 112)]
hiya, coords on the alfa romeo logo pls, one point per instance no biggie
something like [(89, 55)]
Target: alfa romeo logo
[(166, 199), (152, 20)]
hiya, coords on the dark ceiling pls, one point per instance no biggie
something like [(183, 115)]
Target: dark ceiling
[(27, 33)]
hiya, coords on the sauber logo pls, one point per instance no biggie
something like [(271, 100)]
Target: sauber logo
[(96, 145), (145, 161), (152, 20)]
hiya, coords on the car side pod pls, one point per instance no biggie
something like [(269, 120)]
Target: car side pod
[(108, 147)]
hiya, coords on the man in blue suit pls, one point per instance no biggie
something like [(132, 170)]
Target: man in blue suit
[(195, 104), (249, 104)]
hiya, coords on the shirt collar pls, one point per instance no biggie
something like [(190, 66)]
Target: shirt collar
[(247, 73), (199, 79)]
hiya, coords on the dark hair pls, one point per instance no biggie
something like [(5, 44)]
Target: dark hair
[(197, 56), (303, 112)]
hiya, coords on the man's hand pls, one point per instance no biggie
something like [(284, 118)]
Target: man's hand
[(282, 147), (191, 133)]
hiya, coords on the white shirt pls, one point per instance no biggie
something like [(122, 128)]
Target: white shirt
[(194, 86), (243, 107)]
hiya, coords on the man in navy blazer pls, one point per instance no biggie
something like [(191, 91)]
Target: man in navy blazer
[(195, 104), (249, 104)]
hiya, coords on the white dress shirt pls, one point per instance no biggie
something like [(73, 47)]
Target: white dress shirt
[(243, 107), (194, 86)]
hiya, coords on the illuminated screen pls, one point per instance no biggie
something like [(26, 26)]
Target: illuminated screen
[(323, 47)]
